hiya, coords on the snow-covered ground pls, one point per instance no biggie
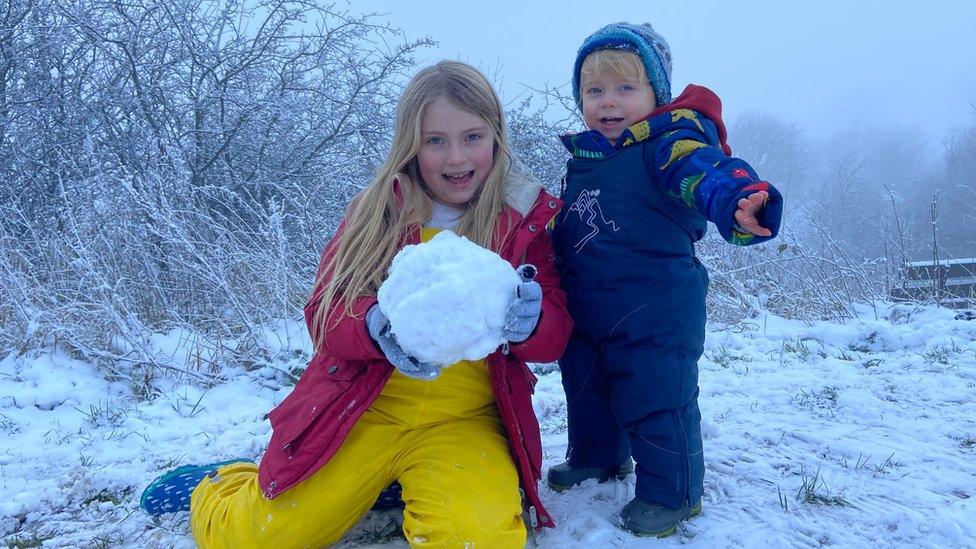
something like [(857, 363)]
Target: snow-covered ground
[(861, 434)]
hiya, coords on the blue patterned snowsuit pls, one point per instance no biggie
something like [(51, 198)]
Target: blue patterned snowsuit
[(636, 291)]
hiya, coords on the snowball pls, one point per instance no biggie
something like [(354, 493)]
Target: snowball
[(447, 299)]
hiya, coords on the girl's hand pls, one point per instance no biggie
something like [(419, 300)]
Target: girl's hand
[(745, 216), (523, 313), (379, 329)]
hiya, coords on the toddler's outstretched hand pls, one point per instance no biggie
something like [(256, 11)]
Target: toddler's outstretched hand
[(379, 329), (523, 313), (745, 216)]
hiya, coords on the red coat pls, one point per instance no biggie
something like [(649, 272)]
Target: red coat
[(349, 372)]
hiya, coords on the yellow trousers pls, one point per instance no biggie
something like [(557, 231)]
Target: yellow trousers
[(442, 440)]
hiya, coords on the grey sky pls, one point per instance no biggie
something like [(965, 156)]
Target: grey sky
[(823, 64)]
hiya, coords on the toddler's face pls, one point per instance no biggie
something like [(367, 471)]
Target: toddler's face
[(612, 103)]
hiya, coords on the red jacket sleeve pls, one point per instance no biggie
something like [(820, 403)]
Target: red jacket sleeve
[(548, 341), (346, 336)]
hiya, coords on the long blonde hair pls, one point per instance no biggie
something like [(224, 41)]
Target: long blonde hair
[(397, 201)]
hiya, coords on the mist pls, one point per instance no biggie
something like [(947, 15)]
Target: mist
[(822, 65), (866, 109)]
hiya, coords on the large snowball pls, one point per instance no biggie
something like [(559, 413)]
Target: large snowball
[(447, 298)]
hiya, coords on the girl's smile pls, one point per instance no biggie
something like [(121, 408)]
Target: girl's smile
[(459, 180)]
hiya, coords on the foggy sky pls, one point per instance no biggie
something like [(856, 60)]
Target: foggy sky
[(825, 65)]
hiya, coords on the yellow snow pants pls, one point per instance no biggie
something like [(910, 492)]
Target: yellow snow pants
[(442, 440), (460, 485)]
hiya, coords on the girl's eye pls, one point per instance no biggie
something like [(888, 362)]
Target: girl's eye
[(434, 140), (626, 87), (472, 137), (593, 91)]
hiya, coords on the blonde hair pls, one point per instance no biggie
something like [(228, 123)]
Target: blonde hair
[(619, 63), (398, 202)]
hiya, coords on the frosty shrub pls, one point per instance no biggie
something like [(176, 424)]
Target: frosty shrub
[(533, 137), (447, 299), (179, 164), (789, 277)]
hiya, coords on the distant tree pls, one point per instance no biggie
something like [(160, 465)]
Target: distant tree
[(959, 192), (776, 149)]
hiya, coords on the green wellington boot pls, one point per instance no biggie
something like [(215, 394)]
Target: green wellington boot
[(564, 476), (646, 519)]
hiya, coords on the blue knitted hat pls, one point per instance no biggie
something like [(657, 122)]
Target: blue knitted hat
[(639, 39)]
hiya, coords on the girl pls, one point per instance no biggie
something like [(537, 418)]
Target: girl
[(365, 414)]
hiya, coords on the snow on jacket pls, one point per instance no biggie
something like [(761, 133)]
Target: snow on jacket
[(348, 372)]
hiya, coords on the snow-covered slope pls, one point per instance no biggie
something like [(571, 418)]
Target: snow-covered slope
[(861, 434)]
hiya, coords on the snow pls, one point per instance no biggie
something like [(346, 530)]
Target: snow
[(930, 263), (447, 299), (851, 435)]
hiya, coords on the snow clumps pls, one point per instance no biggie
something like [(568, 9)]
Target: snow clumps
[(447, 299)]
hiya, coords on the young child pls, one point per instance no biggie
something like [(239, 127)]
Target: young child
[(640, 186), (365, 413)]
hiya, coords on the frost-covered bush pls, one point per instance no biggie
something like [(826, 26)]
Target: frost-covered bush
[(447, 298), (179, 168)]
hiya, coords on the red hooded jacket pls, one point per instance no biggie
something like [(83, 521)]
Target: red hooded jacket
[(348, 372)]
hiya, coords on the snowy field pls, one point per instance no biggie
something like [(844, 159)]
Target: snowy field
[(853, 435)]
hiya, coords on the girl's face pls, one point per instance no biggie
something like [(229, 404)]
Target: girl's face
[(456, 152)]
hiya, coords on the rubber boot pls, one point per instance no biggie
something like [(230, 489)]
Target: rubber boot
[(564, 476), (647, 519)]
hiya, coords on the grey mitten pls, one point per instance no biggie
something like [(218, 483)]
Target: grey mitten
[(379, 329), (523, 313)]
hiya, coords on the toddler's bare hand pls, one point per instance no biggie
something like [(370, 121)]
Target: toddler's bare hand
[(749, 207)]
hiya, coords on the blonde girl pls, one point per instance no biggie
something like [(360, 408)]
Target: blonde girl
[(463, 442)]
